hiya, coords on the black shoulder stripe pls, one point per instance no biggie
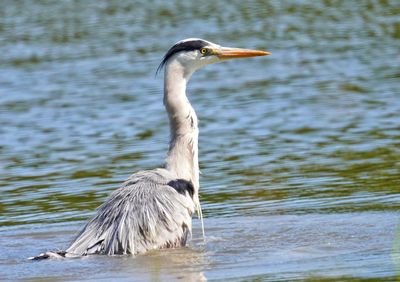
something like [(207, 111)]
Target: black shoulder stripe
[(181, 186)]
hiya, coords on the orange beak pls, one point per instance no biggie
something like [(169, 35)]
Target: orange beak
[(230, 53)]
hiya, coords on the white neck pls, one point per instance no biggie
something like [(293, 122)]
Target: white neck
[(182, 159)]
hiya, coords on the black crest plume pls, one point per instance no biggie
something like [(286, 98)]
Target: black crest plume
[(189, 45)]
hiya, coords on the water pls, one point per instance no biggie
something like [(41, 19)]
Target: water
[(299, 151)]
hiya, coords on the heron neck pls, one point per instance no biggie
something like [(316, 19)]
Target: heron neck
[(182, 158)]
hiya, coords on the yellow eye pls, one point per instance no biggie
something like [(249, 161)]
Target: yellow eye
[(203, 51)]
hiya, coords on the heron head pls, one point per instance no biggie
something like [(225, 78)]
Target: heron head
[(194, 53)]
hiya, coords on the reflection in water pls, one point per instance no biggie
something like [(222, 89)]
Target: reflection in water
[(184, 264)]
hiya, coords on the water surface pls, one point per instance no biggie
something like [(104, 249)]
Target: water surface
[(299, 151)]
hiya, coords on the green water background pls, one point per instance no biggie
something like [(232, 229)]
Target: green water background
[(313, 130)]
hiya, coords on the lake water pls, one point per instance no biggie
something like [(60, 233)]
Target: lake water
[(299, 151)]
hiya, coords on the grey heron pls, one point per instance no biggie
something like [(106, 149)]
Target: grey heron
[(153, 209)]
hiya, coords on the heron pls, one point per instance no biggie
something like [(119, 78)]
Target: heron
[(153, 209)]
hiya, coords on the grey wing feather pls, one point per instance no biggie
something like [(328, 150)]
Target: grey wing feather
[(145, 213)]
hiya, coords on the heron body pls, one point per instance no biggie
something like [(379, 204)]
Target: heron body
[(153, 209)]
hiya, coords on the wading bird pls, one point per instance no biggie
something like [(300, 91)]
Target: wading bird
[(153, 209)]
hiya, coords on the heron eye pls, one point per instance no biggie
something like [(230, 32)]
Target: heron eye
[(203, 51)]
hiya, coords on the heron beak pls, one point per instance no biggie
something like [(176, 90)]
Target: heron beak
[(230, 53)]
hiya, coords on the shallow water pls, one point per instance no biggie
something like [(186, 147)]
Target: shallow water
[(277, 247), (299, 151)]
